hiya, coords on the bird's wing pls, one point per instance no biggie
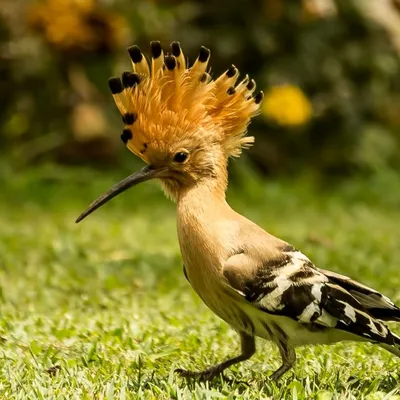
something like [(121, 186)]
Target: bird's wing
[(378, 305), (290, 285)]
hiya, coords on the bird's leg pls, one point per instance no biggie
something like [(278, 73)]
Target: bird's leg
[(248, 348), (288, 355)]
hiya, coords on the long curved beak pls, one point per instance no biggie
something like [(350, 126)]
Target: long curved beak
[(145, 174)]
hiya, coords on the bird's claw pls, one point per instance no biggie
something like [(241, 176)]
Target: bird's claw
[(274, 377)]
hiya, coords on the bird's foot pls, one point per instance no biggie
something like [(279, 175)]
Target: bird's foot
[(279, 372), (275, 377), (206, 375)]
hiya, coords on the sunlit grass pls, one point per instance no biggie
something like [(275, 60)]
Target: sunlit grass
[(102, 310)]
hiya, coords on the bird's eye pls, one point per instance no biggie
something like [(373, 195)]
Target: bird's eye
[(180, 157)]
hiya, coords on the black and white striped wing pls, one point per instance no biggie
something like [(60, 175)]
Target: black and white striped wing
[(291, 286), (378, 305)]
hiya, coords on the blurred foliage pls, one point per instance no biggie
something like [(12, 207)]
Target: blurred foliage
[(331, 75)]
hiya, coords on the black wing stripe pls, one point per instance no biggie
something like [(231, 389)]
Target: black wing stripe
[(385, 314), (296, 300)]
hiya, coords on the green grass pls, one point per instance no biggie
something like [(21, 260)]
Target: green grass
[(101, 310)]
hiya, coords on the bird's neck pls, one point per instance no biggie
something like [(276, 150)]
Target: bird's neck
[(202, 218), (204, 223), (206, 193), (200, 209)]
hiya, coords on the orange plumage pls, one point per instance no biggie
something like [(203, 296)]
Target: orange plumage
[(167, 103)]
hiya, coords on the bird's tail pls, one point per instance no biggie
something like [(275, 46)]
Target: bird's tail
[(395, 348)]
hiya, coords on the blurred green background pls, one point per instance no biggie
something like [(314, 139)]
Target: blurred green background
[(330, 70)]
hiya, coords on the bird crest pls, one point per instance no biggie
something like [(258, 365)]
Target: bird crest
[(166, 101)]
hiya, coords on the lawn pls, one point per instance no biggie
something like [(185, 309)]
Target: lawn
[(101, 310)]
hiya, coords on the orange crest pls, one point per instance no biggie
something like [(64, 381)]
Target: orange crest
[(168, 102)]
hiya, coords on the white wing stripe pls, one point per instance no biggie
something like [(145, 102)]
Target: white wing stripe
[(349, 311), (308, 312)]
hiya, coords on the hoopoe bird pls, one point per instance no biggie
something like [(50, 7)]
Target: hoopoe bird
[(185, 126)]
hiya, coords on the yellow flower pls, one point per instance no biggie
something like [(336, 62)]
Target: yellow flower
[(287, 105)]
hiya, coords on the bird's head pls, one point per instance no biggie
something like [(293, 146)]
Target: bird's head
[(179, 121)]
